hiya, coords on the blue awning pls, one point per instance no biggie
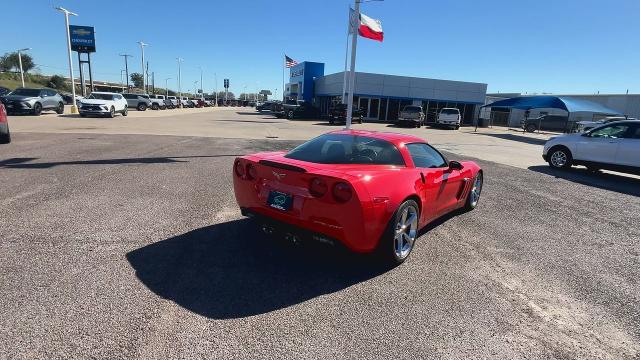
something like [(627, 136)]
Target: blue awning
[(553, 102)]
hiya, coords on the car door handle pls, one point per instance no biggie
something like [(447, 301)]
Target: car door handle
[(422, 178)]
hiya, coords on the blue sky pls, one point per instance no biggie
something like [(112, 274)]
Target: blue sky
[(559, 46)]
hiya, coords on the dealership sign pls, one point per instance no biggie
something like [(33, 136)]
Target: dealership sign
[(82, 38)]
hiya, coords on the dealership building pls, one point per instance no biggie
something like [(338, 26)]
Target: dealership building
[(382, 96)]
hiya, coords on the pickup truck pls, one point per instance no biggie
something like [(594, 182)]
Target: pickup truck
[(167, 103), (449, 117), (296, 109), (338, 113), (174, 101), (411, 115)]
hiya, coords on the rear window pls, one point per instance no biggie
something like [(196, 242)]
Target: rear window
[(450, 111), (347, 149), (412, 109)]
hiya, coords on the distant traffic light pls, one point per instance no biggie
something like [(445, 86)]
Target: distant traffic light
[(226, 83)]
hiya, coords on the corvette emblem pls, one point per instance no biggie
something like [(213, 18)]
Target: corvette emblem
[(278, 176)]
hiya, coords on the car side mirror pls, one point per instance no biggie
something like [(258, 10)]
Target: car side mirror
[(454, 165)]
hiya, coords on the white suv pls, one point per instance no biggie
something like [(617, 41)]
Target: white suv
[(614, 146), (103, 104)]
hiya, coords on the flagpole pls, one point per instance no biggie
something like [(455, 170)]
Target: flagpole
[(346, 56), (284, 64), (352, 73)]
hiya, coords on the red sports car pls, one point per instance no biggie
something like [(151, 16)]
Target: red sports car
[(371, 191)]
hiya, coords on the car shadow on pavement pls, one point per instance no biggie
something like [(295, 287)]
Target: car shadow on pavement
[(602, 180), (514, 137), (21, 163), (233, 270)]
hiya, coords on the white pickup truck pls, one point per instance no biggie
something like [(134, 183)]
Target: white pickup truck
[(449, 117), (167, 103)]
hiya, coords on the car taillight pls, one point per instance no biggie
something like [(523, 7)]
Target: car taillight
[(342, 192), (252, 173), (317, 187), (238, 168)]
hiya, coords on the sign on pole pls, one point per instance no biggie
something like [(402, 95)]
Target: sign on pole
[(82, 38)]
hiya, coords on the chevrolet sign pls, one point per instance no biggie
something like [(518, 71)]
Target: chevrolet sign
[(82, 38)]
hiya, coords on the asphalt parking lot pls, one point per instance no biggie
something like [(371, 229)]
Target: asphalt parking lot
[(118, 244)]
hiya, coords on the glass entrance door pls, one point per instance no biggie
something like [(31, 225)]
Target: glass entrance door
[(371, 108), (364, 105)]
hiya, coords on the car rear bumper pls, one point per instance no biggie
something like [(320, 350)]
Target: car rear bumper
[(345, 223)]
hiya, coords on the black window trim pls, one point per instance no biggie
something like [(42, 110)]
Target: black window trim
[(446, 161)]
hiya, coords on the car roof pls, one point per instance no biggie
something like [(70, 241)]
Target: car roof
[(104, 92), (395, 138)]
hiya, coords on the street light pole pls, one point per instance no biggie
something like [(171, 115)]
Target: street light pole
[(126, 67), (142, 45), (166, 86), (215, 76), (201, 84), (179, 60), (74, 109), (20, 62), (122, 80)]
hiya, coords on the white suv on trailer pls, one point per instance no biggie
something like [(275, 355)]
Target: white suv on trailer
[(614, 146)]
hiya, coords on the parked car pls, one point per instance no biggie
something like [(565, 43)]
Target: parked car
[(33, 101), (5, 134), (199, 103), (557, 123), (156, 104), (298, 109), (264, 106), (613, 146), (103, 104), (449, 117), (338, 113), (137, 101), (4, 90), (174, 101), (411, 115), (583, 126), (68, 98), (317, 191)]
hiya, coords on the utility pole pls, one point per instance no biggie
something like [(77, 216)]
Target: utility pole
[(179, 60), (153, 82), (74, 108), (201, 84), (122, 80), (126, 67), (215, 76), (20, 62), (142, 45)]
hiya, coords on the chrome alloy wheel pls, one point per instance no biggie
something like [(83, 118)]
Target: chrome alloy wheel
[(558, 159), (476, 190), (406, 231)]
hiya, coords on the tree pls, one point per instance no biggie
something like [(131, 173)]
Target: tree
[(57, 82), (137, 80), (10, 61), (230, 95)]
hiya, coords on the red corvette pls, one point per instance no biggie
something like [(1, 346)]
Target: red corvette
[(371, 191)]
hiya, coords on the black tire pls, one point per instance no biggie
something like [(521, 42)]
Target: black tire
[(60, 109), (37, 109), (331, 121), (474, 193), (387, 247), (290, 115), (5, 138), (142, 107), (560, 158), (125, 112), (155, 106), (531, 128), (112, 112), (83, 115), (163, 107), (457, 127)]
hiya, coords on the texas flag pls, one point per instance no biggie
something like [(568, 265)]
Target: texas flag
[(368, 27)]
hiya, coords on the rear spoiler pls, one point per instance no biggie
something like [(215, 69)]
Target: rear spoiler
[(282, 166)]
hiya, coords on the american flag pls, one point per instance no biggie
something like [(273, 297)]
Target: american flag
[(289, 62)]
